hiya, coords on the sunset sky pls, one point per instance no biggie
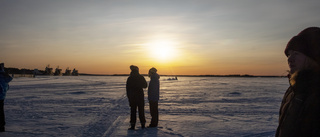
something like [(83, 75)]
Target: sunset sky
[(178, 37)]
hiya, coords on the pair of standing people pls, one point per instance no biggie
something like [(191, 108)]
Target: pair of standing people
[(135, 94)]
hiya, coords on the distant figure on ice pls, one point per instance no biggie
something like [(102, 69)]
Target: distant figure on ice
[(4, 86), (300, 107), (134, 87), (153, 96), (175, 78)]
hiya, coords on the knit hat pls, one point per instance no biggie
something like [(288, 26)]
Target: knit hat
[(134, 68), (306, 42), (153, 70)]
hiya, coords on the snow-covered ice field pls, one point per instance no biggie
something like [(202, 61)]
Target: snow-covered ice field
[(96, 106)]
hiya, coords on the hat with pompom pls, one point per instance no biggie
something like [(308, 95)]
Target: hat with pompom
[(306, 42), (134, 68)]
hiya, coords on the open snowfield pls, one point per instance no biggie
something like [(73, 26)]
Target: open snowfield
[(96, 106)]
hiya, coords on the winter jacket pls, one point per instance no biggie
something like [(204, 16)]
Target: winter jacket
[(153, 89), (4, 86), (134, 86), (300, 108)]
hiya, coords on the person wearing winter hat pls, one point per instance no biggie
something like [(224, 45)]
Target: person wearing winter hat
[(4, 86), (300, 108), (135, 94), (153, 96)]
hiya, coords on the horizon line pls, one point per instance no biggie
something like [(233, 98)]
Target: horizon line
[(205, 75)]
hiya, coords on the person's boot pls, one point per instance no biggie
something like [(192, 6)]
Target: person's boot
[(2, 129), (143, 125), (132, 127), (152, 125)]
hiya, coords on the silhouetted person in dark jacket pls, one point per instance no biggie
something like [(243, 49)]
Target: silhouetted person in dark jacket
[(134, 87), (153, 96)]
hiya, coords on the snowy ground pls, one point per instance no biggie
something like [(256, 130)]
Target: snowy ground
[(88, 106)]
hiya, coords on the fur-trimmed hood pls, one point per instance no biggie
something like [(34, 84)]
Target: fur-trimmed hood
[(305, 81)]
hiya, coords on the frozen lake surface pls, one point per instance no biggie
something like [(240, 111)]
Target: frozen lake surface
[(97, 106)]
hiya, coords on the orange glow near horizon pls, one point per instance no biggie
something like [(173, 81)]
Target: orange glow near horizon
[(172, 60), (187, 67)]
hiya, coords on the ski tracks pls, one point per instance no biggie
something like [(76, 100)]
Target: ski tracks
[(107, 119)]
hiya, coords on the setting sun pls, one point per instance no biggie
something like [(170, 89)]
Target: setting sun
[(162, 50)]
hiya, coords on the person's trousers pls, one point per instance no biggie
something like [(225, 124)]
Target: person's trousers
[(154, 113), (2, 117), (140, 105)]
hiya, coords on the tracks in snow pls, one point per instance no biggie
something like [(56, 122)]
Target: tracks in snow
[(107, 119)]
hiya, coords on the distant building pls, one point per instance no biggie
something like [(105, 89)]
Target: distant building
[(75, 72), (36, 72), (48, 70), (58, 72), (68, 72)]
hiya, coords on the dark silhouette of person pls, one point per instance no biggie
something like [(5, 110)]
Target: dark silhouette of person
[(4, 86), (300, 108), (135, 94), (153, 96)]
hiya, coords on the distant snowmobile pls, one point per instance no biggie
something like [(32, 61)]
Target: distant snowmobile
[(175, 78)]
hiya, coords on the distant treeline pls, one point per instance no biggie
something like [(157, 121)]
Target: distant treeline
[(20, 71), (29, 71)]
